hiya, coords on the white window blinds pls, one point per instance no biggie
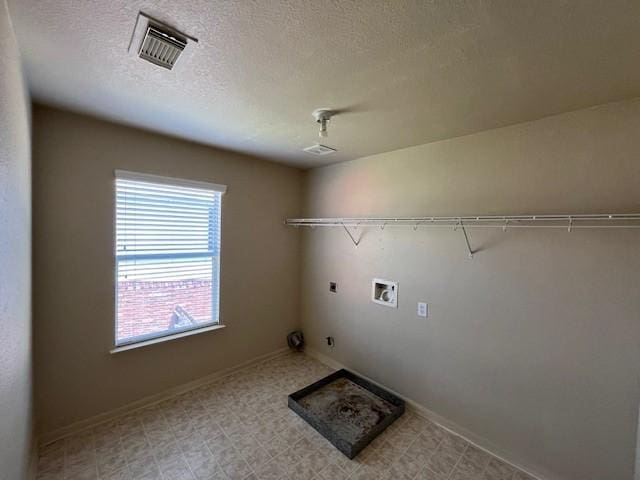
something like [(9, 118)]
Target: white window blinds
[(167, 255)]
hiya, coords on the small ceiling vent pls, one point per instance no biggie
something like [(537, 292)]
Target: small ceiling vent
[(319, 150), (161, 48)]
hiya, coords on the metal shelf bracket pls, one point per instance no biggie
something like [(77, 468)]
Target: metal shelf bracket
[(353, 239)]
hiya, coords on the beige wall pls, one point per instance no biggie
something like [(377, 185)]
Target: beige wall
[(533, 344), (15, 261), (74, 160)]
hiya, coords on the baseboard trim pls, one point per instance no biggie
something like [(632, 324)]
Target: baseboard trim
[(95, 420), (32, 469), (448, 425)]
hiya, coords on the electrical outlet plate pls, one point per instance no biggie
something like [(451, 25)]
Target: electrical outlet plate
[(333, 287), (384, 292), (423, 309)]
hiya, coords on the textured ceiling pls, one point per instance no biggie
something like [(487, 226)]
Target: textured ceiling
[(410, 72)]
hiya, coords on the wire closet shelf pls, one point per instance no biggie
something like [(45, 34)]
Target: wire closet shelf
[(463, 222)]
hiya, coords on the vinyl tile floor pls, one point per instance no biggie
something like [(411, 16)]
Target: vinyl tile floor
[(240, 428)]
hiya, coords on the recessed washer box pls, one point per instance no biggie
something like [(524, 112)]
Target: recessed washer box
[(384, 292)]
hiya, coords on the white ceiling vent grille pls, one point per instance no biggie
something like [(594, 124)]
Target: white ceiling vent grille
[(161, 48), (319, 150)]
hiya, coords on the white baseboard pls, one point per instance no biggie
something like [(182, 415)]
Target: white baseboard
[(478, 441), (91, 422)]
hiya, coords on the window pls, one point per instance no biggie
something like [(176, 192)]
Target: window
[(167, 256)]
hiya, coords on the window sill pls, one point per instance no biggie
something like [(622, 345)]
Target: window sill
[(153, 341)]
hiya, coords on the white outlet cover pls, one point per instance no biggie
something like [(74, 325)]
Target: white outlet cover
[(423, 309)]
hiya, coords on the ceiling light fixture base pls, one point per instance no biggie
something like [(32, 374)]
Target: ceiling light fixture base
[(323, 116)]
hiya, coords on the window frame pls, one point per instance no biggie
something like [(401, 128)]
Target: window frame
[(150, 339)]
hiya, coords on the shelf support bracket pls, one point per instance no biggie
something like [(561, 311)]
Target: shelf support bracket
[(353, 239), (466, 239)]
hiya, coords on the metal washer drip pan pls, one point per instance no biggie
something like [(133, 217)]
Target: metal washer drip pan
[(347, 410)]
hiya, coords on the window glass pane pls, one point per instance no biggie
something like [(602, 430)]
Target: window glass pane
[(167, 259)]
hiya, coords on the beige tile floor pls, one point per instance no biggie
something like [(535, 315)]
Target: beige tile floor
[(240, 428)]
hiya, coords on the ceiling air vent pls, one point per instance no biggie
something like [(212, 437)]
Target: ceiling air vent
[(319, 150), (161, 48)]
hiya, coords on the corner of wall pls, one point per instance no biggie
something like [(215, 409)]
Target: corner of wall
[(18, 455)]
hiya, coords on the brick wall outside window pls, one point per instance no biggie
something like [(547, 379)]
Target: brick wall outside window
[(146, 307)]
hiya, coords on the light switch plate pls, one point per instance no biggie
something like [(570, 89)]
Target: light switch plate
[(423, 309)]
